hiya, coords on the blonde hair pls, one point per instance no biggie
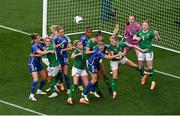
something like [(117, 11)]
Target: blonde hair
[(114, 38), (56, 28)]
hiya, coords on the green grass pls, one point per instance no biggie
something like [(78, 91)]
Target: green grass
[(15, 81)]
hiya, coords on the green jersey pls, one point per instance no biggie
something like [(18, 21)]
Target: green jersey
[(91, 45), (80, 60), (53, 62), (146, 39), (117, 48)]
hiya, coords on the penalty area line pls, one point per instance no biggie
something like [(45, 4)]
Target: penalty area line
[(15, 30), (22, 32), (22, 108)]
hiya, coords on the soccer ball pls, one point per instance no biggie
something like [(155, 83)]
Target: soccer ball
[(78, 19)]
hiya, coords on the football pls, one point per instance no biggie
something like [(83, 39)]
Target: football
[(78, 19)]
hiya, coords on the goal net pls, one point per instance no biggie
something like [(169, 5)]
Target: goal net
[(164, 16)]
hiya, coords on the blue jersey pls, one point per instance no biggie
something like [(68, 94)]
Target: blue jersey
[(62, 58), (34, 62), (84, 39), (95, 57)]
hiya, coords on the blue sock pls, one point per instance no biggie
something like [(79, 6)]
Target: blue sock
[(94, 87), (42, 83), (67, 81), (86, 89), (33, 86)]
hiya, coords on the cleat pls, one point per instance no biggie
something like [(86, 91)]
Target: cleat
[(100, 94), (83, 101), (68, 91), (40, 92), (69, 101), (95, 94), (85, 97), (62, 87), (32, 98), (80, 88), (153, 84), (114, 95), (48, 89), (56, 88), (53, 95), (143, 79)]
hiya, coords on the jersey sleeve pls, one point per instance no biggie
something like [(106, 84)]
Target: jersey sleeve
[(123, 44), (137, 34), (34, 49), (68, 39)]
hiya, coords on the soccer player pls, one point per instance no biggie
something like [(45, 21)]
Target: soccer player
[(78, 69), (85, 37), (54, 66), (55, 34), (94, 67), (131, 28), (102, 72), (145, 36), (63, 46), (35, 66), (114, 49)]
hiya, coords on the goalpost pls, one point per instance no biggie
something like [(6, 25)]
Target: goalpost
[(104, 14)]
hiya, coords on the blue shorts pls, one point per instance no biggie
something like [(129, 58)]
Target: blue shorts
[(63, 61), (35, 68), (93, 69)]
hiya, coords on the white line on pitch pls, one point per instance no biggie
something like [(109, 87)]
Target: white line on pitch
[(22, 108), (167, 74), (12, 29)]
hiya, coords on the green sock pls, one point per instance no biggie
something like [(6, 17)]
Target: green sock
[(106, 80), (140, 69), (114, 84), (152, 74), (53, 82), (73, 87)]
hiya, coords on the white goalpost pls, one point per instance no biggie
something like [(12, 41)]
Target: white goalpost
[(104, 14)]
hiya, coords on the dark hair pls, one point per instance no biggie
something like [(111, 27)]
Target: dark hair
[(34, 36), (88, 29)]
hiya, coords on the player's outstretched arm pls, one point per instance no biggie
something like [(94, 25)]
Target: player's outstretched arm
[(136, 38)]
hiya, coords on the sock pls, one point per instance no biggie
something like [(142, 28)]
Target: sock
[(33, 86), (60, 77), (106, 80), (67, 81), (114, 85), (42, 83), (152, 75), (94, 87), (86, 89), (53, 82), (140, 69), (80, 81), (73, 87)]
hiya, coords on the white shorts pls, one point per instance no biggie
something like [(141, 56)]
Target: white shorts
[(115, 64), (145, 56), (53, 71), (45, 61), (78, 72)]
